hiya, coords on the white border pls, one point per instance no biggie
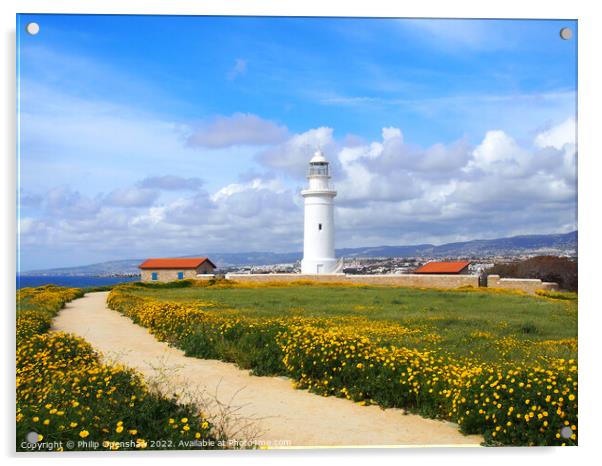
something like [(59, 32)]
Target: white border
[(590, 233), (423, 8)]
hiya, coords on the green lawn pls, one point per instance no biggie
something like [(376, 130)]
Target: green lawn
[(481, 324)]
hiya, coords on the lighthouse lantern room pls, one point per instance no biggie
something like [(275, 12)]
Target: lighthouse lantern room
[(318, 244)]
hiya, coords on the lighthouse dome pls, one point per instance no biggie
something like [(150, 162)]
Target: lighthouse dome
[(318, 158)]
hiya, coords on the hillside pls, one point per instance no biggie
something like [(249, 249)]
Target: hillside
[(554, 244)]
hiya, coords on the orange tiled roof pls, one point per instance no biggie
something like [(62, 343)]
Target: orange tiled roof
[(168, 263), (443, 267)]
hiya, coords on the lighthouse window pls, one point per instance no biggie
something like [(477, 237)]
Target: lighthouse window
[(319, 226), (318, 168)]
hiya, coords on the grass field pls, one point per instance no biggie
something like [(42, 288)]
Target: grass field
[(488, 325), (500, 364)]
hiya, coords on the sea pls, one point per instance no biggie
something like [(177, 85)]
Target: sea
[(24, 281)]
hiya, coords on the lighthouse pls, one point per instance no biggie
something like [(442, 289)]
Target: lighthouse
[(318, 241)]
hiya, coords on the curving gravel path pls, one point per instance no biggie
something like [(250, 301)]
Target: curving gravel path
[(265, 409)]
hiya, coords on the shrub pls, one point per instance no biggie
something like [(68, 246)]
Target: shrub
[(37, 306)]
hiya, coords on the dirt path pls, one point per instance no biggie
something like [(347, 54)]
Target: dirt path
[(270, 408)]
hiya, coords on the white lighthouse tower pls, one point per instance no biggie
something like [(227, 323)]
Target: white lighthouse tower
[(318, 242)]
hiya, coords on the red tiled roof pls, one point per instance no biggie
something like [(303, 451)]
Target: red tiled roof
[(443, 267), (168, 263)]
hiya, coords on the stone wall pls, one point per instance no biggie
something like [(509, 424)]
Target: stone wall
[(168, 275), (529, 285), (409, 280)]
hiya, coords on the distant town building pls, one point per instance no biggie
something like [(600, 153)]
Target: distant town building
[(457, 267), (318, 240), (168, 269)]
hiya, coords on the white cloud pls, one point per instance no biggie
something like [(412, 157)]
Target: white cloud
[(31, 227), (132, 197), (389, 192), (260, 200), (69, 203), (499, 154), (390, 170), (558, 135), (238, 129), (392, 133), (151, 217), (254, 184), (390, 189), (361, 182), (292, 155)]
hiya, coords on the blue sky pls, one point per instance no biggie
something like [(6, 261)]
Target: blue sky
[(148, 136)]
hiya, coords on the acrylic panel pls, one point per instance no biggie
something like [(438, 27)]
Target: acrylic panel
[(291, 232)]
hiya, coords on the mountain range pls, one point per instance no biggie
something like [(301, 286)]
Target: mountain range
[(554, 244)]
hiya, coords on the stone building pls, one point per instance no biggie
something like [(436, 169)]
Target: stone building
[(167, 269)]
